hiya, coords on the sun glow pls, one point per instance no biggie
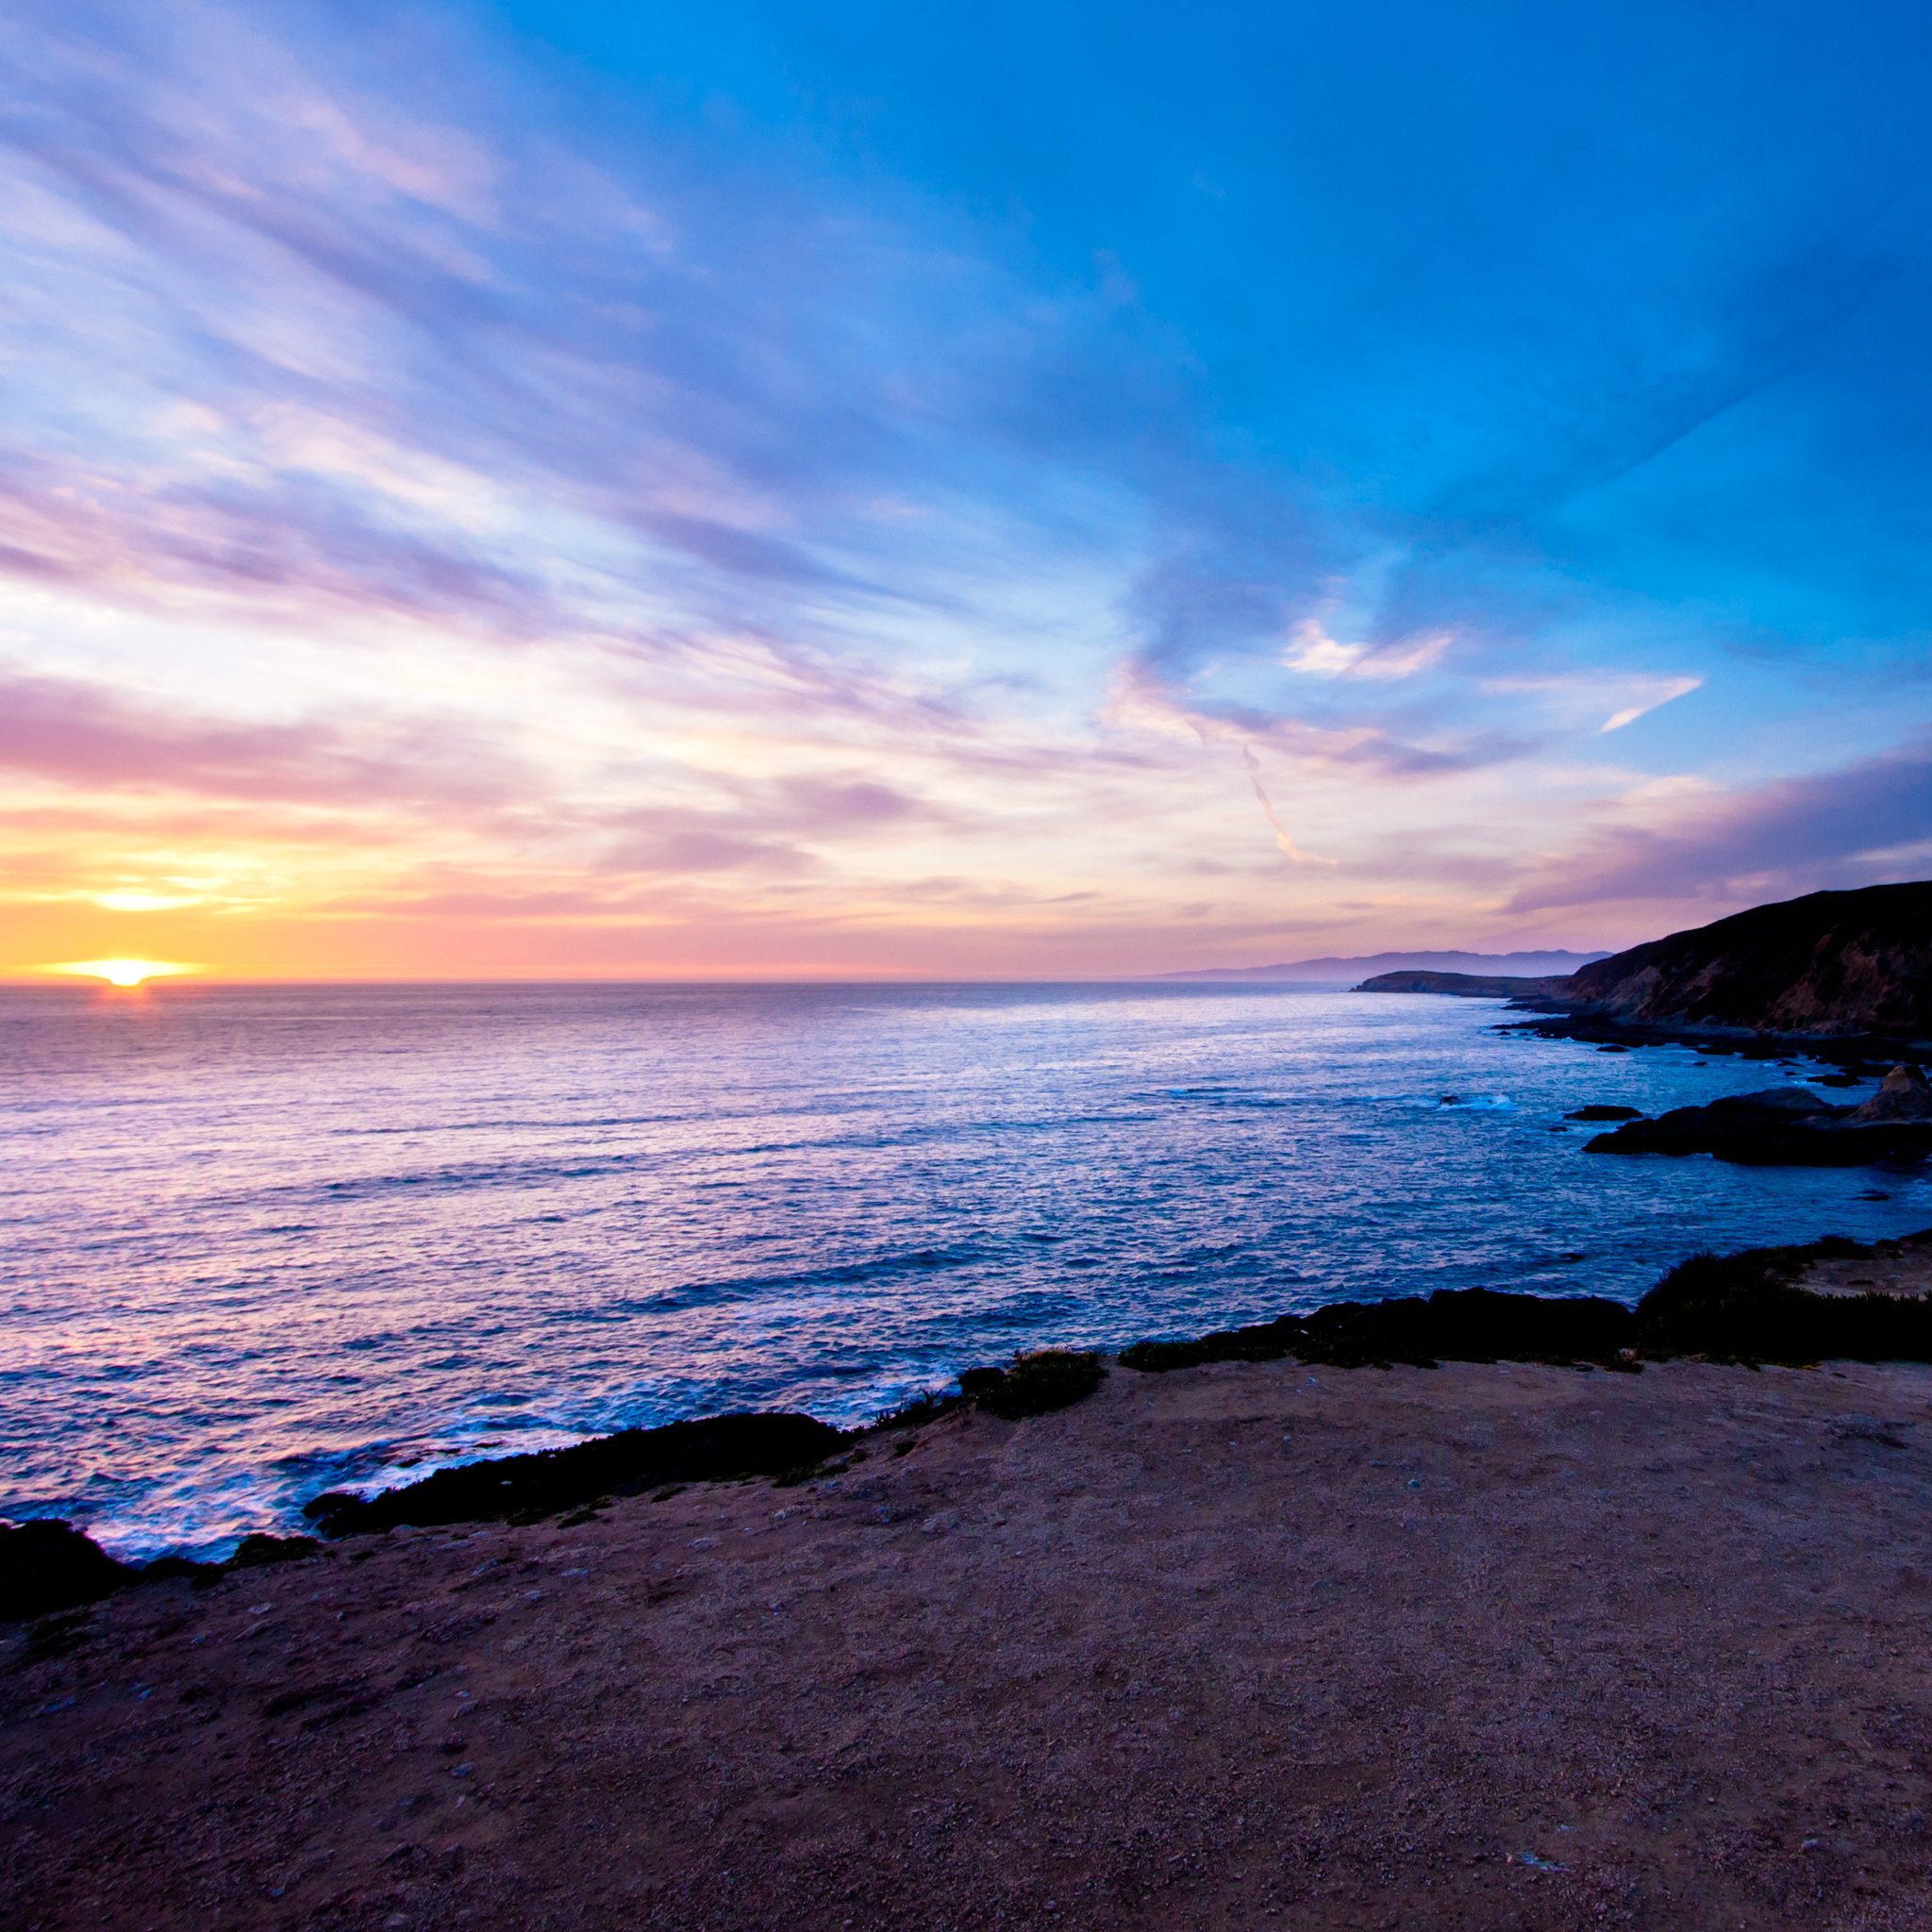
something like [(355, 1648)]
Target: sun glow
[(123, 971)]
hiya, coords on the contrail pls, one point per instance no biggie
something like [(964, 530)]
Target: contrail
[(1290, 850)]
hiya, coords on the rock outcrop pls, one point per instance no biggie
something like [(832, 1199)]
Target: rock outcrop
[(1792, 1126), (1904, 1094), (713, 1448), (49, 1565)]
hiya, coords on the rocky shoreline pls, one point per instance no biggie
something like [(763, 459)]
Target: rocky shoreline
[(1844, 977), (1245, 1639), (1792, 1126), (1860, 1056), (1750, 1308)]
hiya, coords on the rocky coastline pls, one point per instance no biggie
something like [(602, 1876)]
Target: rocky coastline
[(1842, 977), (1243, 1636), (1792, 1126), (1750, 1308)]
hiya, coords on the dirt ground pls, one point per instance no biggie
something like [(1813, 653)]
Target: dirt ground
[(1476, 1646), (1902, 1268)]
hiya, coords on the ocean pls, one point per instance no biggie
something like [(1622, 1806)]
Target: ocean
[(258, 1242)]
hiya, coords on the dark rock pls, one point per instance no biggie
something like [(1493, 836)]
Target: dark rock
[(1470, 1324), (711, 1449), (1788, 1101), (49, 1565), (1452, 1324), (170, 1569), (1746, 1307), (1781, 1127), (1749, 1307), (1597, 1113)]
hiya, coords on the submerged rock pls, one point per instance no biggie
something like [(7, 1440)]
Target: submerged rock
[(1597, 1111)]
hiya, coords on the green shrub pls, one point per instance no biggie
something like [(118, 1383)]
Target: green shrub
[(1048, 1379)]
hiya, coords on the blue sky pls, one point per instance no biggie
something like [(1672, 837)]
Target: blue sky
[(1032, 490)]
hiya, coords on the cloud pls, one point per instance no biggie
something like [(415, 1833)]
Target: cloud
[(81, 735), (1663, 695), (774, 826), (275, 548), (1315, 654), (1791, 835), (641, 514), (367, 308), (1572, 697), (1141, 700), (1285, 844)]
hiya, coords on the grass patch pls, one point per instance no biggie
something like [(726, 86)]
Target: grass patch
[(1749, 1308), (920, 1410)]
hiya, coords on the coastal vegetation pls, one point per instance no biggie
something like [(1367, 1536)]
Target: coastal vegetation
[(1037, 1383), (1828, 964)]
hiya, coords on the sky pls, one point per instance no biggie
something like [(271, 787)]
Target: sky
[(1050, 490)]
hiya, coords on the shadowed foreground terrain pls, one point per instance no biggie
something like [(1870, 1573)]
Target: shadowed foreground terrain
[(1484, 1645)]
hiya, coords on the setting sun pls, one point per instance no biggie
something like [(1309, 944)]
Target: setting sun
[(124, 971)]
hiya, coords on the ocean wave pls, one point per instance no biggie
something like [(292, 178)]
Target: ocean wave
[(835, 1274)]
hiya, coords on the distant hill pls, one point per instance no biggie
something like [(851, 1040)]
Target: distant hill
[(1470, 986), (1347, 972), (1828, 964)]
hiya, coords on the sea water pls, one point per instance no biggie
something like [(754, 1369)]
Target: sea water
[(258, 1242)]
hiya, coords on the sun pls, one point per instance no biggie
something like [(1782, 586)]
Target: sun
[(124, 971)]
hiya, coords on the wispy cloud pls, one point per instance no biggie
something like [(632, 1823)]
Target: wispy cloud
[(1289, 849), (84, 736), (1315, 654), (430, 496), (1671, 688)]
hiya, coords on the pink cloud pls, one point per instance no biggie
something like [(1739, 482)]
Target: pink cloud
[(1855, 825), (79, 734)]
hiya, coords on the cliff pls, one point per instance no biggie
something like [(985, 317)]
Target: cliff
[(1843, 963)]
